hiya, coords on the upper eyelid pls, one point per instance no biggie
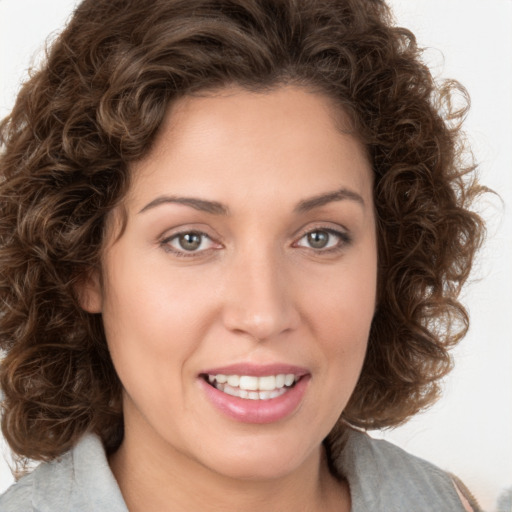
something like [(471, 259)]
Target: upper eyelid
[(173, 236), (332, 227), (342, 235), (184, 229), (167, 236)]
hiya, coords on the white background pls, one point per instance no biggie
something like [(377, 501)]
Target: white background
[(469, 431)]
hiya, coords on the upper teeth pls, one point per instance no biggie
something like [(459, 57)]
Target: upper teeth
[(251, 383)]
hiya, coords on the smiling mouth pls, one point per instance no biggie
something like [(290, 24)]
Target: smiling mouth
[(251, 387)]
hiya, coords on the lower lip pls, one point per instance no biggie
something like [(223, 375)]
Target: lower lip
[(257, 411)]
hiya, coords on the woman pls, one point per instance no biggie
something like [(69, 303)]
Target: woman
[(233, 235)]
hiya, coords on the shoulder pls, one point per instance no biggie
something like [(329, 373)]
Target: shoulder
[(382, 476), (80, 480), (51, 479), (18, 497)]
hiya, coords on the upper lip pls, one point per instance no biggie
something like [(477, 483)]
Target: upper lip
[(257, 370)]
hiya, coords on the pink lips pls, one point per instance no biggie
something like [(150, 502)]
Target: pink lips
[(257, 411)]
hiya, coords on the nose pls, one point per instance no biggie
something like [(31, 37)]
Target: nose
[(259, 298)]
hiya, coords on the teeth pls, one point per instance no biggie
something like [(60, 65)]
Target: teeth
[(289, 379), (280, 380), (251, 387), (250, 395), (247, 382), (268, 383), (234, 380)]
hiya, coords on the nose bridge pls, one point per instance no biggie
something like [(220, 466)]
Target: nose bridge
[(259, 302)]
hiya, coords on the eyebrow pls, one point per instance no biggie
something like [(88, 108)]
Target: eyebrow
[(216, 208), (202, 205), (322, 199)]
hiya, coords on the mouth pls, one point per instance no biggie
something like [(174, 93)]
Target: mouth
[(256, 394), (251, 387)]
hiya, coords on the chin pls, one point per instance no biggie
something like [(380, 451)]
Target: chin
[(263, 459)]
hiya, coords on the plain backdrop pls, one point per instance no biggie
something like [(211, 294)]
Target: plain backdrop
[(469, 431)]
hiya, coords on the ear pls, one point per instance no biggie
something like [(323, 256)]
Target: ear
[(90, 292)]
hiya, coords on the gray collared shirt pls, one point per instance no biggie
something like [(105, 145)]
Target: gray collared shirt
[(381, 477), (79, 481)]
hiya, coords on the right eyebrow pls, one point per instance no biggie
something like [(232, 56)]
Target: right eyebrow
[(203, 205)]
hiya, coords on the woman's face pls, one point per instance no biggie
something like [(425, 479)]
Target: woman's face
[(238, 300)]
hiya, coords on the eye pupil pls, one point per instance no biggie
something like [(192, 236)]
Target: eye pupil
[(190, 241), (318, 239)]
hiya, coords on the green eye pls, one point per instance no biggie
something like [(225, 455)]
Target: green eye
[(190, 241), (318, 239), (324, 240)]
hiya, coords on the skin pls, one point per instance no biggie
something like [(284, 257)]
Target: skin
[(255, 291)]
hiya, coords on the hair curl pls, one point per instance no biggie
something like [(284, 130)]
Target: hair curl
[(96, 105)]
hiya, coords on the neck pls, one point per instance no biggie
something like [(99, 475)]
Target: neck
[(159, 478)]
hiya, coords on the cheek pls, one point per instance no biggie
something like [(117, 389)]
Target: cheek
[(342, 300), (155, 322), (339, 309), (151, 333)]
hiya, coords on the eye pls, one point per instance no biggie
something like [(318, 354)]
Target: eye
[(188, 242), (323, 239)]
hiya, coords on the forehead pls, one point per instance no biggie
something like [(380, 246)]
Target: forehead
[(285, 140)]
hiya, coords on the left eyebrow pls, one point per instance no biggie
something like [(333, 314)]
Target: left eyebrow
[(322, 199)]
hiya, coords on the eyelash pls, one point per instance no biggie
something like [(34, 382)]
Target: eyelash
[(343, 240), (165, 243)]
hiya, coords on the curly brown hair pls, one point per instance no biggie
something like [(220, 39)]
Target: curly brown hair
[(96, 105)]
